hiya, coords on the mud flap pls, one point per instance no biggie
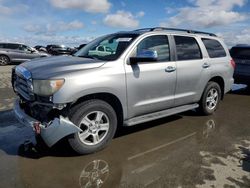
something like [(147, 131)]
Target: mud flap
[(58, 129)]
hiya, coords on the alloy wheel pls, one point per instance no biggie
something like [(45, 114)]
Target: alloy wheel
[(94, 126), (212, 99)]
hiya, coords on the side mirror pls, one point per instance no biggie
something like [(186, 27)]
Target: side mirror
[(144, 56)]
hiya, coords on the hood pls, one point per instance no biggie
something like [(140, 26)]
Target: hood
[(44, 68)]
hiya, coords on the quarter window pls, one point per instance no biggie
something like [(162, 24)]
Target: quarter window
[(158, 43), (214, 48), (187, 48)]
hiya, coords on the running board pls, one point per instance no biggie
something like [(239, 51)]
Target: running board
[(160, 114)]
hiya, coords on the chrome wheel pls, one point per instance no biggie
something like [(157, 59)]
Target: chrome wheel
[(212, 99), (95, 126), (4, 60)]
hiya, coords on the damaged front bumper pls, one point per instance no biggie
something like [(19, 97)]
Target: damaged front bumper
[(51, 132)]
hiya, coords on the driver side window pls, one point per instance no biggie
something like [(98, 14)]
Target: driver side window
[(158, 43)]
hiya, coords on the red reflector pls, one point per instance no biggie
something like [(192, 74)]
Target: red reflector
[(233, 63), (37, 128)]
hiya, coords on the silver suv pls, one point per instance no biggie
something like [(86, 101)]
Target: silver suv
[(15, 52), (146, 74)]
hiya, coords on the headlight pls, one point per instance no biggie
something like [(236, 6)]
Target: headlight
[(47, 87)]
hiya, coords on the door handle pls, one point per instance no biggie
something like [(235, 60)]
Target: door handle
[(170, 69), (205, 65)]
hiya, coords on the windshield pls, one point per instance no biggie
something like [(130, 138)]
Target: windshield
[(107, 48)]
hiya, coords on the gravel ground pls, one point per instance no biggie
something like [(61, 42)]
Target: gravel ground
[(7, 96)]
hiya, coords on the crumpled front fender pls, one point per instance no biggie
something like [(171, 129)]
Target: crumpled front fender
[(58, 129), (51, 133)]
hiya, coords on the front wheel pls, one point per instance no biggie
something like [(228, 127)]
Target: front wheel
[(210, 99), (98, 122)]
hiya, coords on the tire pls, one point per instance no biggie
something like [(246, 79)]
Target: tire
[(4, 60), (98, 122), (210, 99)]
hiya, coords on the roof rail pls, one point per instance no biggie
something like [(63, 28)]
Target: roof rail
[(175, 29)]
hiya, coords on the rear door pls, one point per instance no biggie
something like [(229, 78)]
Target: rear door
[(193, 69)]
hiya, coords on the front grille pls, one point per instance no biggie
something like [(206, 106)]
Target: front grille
[(22, 85)]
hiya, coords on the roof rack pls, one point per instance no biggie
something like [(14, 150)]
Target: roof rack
[(174, 29)]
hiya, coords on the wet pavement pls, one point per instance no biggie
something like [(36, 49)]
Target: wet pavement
[(184, 150)]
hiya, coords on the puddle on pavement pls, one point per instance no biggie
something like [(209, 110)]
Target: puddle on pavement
[(179, 151)]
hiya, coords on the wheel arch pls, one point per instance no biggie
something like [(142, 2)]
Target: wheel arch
[(219, 80), (107, 97)]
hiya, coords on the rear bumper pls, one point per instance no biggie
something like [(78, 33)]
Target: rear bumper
[(52, 132)]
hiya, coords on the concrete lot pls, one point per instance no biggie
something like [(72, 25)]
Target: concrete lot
[(184, 150)]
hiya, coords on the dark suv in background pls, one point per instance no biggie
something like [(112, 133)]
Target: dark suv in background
[(241, 56), (15, 52), (59, 50)]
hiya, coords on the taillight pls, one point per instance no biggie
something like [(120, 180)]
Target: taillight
[(233, 63)]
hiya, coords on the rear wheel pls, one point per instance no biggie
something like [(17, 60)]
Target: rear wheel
[(4, 60), (98, 122), (210, 99)]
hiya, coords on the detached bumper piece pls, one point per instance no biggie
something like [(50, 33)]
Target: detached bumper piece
[(51, 132)]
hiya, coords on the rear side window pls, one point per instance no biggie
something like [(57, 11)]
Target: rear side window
[(12, 46), (187, 48), (214, 48), (240, 53)]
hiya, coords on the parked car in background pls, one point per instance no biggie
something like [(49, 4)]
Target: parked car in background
[(241, 56), (101, 51), (16, 52), (40, 48), (59, 49), (81, 46), (148, 74)]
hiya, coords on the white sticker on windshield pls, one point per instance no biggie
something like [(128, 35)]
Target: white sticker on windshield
[(123, 39)]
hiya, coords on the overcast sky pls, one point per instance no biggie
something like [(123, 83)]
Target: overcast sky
[(73, 22)]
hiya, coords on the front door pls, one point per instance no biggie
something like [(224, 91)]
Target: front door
[(25, 53), (151, 85)]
